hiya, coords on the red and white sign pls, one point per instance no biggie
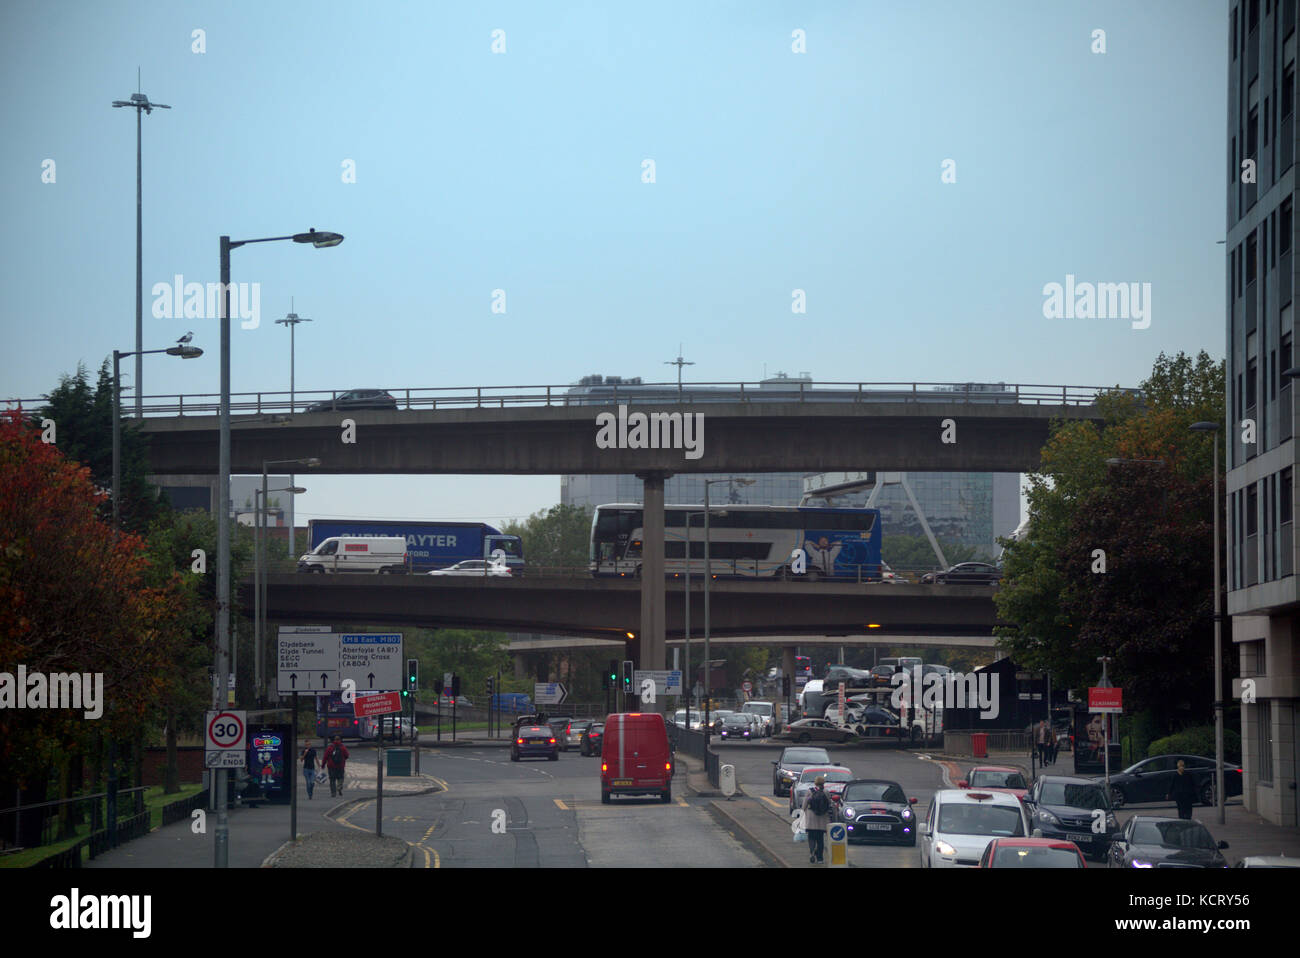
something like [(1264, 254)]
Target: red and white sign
[(383, 703), (226, 730), (746, 686), (1106, 701)]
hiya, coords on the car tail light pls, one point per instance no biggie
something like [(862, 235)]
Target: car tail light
[(552, 741), (604, 767), (668, 766)]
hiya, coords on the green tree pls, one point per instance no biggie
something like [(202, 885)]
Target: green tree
[(1150, 608), (558, 536), (912, 553)]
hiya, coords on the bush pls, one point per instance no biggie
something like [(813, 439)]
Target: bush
[(1198, 740)]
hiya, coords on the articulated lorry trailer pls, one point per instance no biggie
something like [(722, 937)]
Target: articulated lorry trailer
[(430, 545)]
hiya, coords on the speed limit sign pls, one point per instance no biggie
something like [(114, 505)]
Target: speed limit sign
[(224, 740)]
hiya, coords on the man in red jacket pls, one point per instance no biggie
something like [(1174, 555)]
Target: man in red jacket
[(336, 757)]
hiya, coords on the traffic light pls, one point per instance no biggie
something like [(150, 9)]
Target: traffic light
[(491, 685), (412, 674), (627, 676), (785, 685), (455, 685), (611, 675), (437, 686)]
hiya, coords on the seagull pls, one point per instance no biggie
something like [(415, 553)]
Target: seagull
[(186, 338)]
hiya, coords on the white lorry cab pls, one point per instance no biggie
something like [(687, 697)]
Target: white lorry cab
[(373, 554)]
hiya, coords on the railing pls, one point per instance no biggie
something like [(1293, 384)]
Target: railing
[(59, 820), (500, 397), (957, 741), (180, 810)]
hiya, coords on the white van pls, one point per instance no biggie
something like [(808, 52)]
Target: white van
[(374, 554)]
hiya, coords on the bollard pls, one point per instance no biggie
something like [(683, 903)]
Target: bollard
[(838, 838)]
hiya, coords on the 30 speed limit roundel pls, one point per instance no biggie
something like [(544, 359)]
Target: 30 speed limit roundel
[(226, 730)]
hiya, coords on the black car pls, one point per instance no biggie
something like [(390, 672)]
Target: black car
[(736, 726), (356, 399), (593, 738), (874, 809), (1074, 810), (1149, 841), (534, 741), (1150, 779), (966, 573), (882, 675), (786, 769)]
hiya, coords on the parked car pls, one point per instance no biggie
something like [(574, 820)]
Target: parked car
[(482, 568), (635, 758), (966, 573), (836, 778), (1149, 780), (592, 738), (960, 823), (996, 778), (355, 399), (1151, 841), (786, 769), (815, 729), (534, 741), (1032, 853), (1066, 808), (876, 808)]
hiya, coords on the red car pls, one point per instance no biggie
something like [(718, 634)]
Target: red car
[(836, 778), (996, 778), (1032, 853)]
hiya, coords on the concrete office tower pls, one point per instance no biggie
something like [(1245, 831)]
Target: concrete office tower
[(1263, 598)]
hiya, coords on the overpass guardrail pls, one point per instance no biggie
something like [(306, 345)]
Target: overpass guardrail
[(501, 397)]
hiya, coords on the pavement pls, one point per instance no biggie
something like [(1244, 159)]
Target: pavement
[(259, 837), (767, 829)]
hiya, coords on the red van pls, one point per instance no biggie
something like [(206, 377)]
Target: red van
[(635, 758)]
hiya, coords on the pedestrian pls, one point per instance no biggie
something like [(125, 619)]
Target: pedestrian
[(308, 758), (1050, 741), (1042, 743), (816, 815), (336, 757), (1183, 791)]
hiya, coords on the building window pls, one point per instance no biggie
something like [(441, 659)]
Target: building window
[(1286, 358), (1284, 507), (1252, 16), (1288, 90), (1272, 246), (1284, 227), (1252, 385), (1272, 375), (1252, 134), (1251, 264), (1264, 740), (1252, 510)]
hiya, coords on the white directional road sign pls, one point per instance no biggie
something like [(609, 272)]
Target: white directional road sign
[(666, 682), (373, 660), (549, 693), (307, 662), (225, 739)]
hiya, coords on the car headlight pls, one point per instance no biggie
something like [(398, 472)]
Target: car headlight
[(907, 813), (1048, 817), (1138, 863), (943, 848), (849, 812)]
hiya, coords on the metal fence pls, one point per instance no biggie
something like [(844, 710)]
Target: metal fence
[(45, 823), (691, 741), (958, 741), (179, 810), (501, 397)]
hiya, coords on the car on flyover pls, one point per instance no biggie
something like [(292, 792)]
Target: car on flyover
[(355, 399), (965, 573), (482, 568)]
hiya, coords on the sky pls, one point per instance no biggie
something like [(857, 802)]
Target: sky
[(920, 171)]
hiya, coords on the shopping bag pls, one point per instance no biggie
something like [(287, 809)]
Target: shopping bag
[(321, 778)]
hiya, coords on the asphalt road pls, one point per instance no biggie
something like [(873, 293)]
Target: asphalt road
[(496, 813)]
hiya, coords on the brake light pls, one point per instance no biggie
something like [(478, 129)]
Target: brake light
[(552, 741), (604, 767), (520, 741), (668, 766)]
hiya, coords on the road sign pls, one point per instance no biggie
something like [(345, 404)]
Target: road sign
[(373, 660), (1106, 701), (747, 686), (307, 662), (838, 836), (667, 682), (549, 693), (384, 703), (224, 739)]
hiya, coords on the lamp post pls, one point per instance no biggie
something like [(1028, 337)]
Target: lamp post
[(1218, 632), (292, 321), (185, 352), (261, 570), (679, 362), (686, 674), (139, 102), (708, 575), (222, 656)]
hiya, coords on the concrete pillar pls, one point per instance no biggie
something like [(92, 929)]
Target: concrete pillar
[(787, 668), (521, 665), (652, 641)]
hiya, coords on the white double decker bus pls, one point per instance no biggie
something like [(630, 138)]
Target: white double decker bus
[(744, 541)]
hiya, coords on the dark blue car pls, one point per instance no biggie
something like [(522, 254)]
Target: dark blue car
[(534, 741)]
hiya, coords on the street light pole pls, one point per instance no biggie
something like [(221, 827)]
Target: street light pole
[(708, 577), (1218, 634), (222, 654), (292, 321)]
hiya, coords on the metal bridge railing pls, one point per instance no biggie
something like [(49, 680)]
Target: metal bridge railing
[(502, 397)]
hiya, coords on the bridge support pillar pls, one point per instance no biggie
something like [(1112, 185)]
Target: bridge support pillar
[(653, 646), (787, 668), (521, 666)]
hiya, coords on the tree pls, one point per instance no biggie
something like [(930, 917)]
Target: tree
[(558, 536), (915, 552), (1150, 608), (75, 596)]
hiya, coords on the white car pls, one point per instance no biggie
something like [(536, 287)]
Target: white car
[(478, 567), (961, 822)]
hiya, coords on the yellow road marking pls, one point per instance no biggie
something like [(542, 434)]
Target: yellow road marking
[(426, 835), (682, 803), (774, 803), (559, 804)]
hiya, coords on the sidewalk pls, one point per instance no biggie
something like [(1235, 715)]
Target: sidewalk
[(259, 837)]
